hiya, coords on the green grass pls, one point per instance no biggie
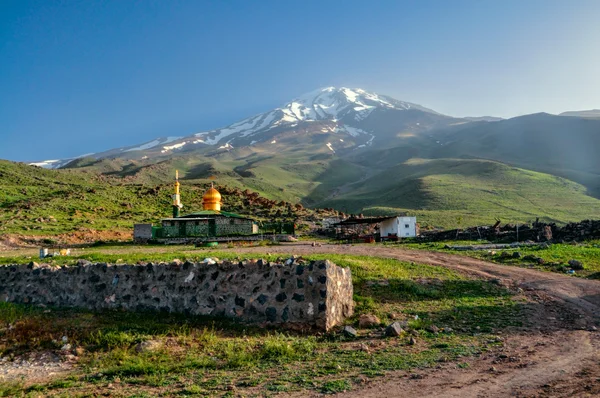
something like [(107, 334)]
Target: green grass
[(441, 193), (555, 256), (213, 356), (64, 204), (458, 192)]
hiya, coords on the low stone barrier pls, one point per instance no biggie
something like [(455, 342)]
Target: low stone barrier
[(316, 294)]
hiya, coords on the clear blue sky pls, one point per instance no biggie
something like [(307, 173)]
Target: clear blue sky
[(86, 76)]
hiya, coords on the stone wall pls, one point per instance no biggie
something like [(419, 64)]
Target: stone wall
[(317, 294), (219, 226)]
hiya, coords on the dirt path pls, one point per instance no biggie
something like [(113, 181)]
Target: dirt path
[(555, 355)]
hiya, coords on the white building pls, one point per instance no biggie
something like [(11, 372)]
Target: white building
[(401, 227)]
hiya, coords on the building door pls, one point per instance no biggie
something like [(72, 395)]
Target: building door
[(212, 228), (182, 229)]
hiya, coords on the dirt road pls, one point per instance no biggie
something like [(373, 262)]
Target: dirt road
[(555, 355)]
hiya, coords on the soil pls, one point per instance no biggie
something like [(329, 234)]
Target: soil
[(555, 355), (36, 367), (81, 237)]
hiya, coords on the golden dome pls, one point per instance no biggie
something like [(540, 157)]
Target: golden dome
[(211, 200)]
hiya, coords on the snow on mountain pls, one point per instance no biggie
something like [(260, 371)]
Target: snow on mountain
[(57, 163), (326, 104), (152, 144), (343, 110)]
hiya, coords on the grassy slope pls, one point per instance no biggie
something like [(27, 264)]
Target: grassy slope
[(446, 192), (72, 200), (563, 146), (207, 356), (442, 192)]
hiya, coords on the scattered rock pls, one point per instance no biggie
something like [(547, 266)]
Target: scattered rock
[(66, 347), (412, 341), (394, 330), (576, 265), (148, 346), (368, 321), (433, 329), (349, 331)]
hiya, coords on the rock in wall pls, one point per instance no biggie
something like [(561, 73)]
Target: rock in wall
[(318, 294)]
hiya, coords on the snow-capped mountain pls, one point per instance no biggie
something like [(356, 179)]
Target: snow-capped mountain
[(357, 117), (344, 107)]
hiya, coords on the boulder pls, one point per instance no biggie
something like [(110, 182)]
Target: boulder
[(394, 330), (576, 264), (433, 329), (368, 321), (349, 331), (148, 346)]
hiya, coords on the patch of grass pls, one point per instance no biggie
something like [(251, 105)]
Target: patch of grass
[(11, 389), (335, 386)]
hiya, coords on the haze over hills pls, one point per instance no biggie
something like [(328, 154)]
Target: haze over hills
[(359, 151), (595, 113)]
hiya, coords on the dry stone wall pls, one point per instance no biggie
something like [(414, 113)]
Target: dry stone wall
[(317, 294)]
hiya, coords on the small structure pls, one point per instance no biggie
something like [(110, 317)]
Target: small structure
[(209, 225), (399, 227), (210, 222), (370, 229)]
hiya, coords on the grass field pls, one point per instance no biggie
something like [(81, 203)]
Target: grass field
[(441, 193), (555, 257), (210, 356), (461, 192)]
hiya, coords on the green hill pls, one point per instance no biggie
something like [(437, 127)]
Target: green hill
[(558, 145), (43, 202), (447, 192)]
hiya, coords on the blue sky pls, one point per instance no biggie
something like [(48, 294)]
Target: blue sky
[(86, 76)]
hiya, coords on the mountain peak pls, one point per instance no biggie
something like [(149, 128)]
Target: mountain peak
[(351, 113)]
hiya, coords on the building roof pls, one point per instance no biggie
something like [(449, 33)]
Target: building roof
[(365, 220), (214, 213)]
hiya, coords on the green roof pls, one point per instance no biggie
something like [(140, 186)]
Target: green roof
[(205, 213)]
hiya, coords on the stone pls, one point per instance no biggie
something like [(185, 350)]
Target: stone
[(412, 341), (576, 265), (368, 321), (349, 331), (148, 346), (433, 329), (394, 330), (66, 347)]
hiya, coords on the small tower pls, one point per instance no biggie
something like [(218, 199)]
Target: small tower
[(211, 199), (176, 197)]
